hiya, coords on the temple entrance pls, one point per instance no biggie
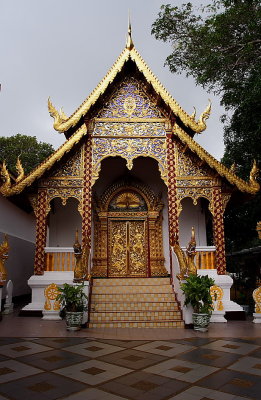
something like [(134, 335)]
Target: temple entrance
[(128, 232), (127, 247)]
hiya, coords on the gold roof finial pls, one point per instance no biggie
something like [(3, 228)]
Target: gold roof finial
[(129, 42)]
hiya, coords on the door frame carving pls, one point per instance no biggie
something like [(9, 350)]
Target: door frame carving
[(152, 214)]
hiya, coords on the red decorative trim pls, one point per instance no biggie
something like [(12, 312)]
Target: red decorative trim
[(87, 196), (172, 189), (218, 228), (39, 260)]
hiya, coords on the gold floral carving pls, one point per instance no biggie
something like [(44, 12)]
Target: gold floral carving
[(73, 167), (64, 194), (216, 292), (129, 129), (257, 299), (250, 187), (194, 193), (129, 149)]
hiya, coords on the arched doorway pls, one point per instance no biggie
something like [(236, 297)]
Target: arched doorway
[(128, 232)]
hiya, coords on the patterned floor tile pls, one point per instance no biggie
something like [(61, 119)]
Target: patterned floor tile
[(182, 370), (131, 358), (93, 372), (198, 393), (54, 359), (124, 343), (12, 369), (164, 348), (231, 346), (214, 358), (22, 349), (234, 382), (58, 343), (93, 394), (195, 341), (4, 341), (45, 386), (144, 386), (250, 364), (93, 349)]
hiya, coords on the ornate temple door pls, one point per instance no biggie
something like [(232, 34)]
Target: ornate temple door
[(127, 248)]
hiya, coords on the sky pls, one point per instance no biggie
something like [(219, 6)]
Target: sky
[(63, 48)]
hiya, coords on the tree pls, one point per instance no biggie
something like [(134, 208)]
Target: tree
[(30, 151), (220, 46)]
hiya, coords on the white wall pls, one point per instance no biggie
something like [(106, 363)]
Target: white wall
[(63, 221), (192, 215), (20, 228)]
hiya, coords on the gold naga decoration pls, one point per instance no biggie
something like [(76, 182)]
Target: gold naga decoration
[(20, 170), (216, 292), (4, 249), (6, 178), (258, 229), (63, 123), (257, 299), (186, 261), (81, 257), (254, 173)]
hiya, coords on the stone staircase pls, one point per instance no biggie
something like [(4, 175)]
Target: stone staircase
[(134, 303)]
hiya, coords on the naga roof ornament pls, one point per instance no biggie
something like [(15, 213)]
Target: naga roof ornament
[(63, 123), (20, 170)]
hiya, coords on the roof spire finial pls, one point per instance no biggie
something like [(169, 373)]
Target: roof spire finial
[(129, 42)]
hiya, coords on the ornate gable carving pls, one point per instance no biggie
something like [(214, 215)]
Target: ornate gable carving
[(73, 167), (129, 100)]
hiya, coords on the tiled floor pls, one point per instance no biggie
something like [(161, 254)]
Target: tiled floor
[(49, 363)]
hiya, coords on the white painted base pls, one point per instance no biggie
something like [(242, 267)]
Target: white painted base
[(257, 318), (225, 282), (39, 282), (51, 315), (8, 308), (218, 316)]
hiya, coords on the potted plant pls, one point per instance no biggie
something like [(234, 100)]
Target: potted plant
[(197, 293), (73, 302)]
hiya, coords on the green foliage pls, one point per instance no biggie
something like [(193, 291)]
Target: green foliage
[(197, 293), (72, 297), (220, 46), (31, 152)]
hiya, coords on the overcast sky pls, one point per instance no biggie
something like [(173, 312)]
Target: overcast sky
[(63, 48)]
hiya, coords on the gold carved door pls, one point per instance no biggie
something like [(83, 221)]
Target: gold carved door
[(127, 248)]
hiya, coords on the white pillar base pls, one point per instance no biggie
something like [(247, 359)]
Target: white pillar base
[(51, 315), (8, 308), (257, 318), (39, 282)]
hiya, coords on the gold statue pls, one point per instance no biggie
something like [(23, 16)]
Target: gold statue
[(254, 173), (81, 265), (4, 249), (186, 261), (258, 229)]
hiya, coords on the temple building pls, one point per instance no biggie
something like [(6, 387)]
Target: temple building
[(133, 181)]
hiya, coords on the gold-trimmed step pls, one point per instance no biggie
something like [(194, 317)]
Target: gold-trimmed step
[(134, 303), (129, 306), (135, 316), (138, 324)]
